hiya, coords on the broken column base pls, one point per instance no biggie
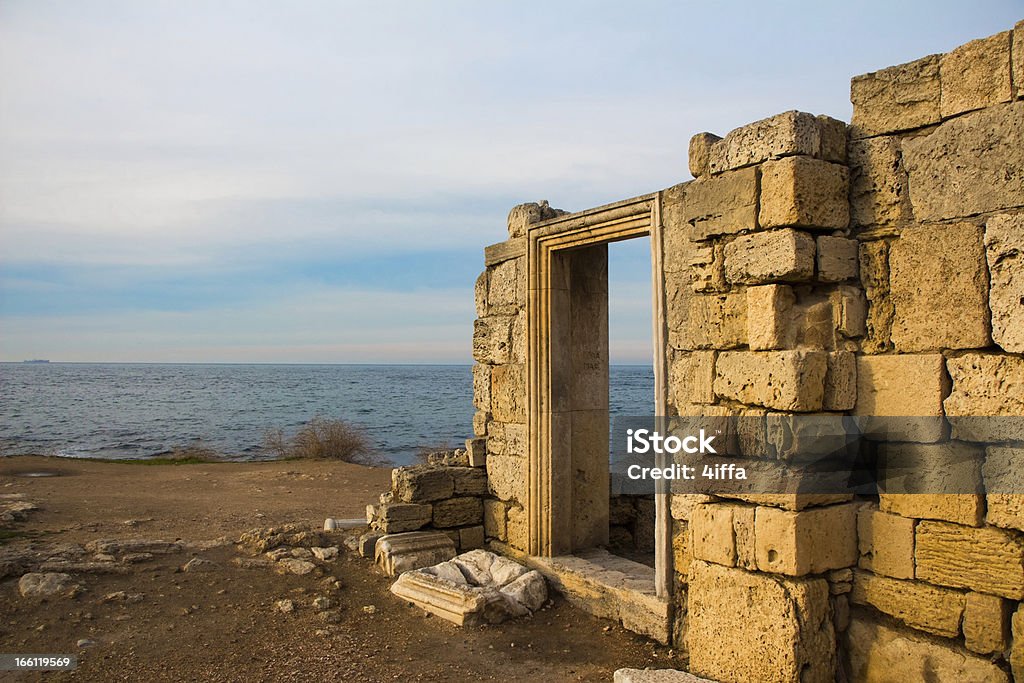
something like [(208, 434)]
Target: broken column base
[(399, 553)]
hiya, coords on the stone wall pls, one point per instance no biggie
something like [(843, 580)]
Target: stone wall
[(811, 267)]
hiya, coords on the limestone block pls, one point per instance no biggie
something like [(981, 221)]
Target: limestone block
[(987, 559), (976, 75), (969, 165), (471, 537), (744, 626), (508, 393), (398, 553), (1018, 58), (707, 268), (476, 449), (683, 504), (804, 192), (724, 204), (879, 653), (393, 518), (1004, 249), (468, 481), (368, 542), (785, 255), (495, 519), (713, 541), (986, 623), (492, 341), (939, 288), (783, 135), (480, 295), (421, 483), (926, 608), (518, 529), (744, 529), (769, 312), (482, 386), (878, 182), (691, 377), (503, 251), (932, 481), (463, 511), (849, 311), (700, 153), (480, 420), (1017, 653), (886, 543), (806, 542), (506, 477), (837, 258), (1003, 473), (882, 390), (783, 380), (45, 584), (708, 321), (897, 98), (506, 288), (986, 385), (840, 381), (874, 276), (518, 338), (453, 601), (813, 438)]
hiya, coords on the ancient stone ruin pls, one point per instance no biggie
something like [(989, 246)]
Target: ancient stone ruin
[(811, 268)]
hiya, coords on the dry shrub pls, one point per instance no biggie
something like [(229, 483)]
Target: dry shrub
[(322, 438)]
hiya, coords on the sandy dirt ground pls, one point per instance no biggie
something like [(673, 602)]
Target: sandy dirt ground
[(146, 619)]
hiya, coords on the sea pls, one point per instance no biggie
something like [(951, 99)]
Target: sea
[(121, 410)]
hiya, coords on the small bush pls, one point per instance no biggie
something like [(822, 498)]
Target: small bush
[(322, 438)]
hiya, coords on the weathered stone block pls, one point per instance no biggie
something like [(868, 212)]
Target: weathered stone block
[(506, 288), (886, 543), (878, 182), (777, 256), (713, 541), (721, 205), (482, 386), (744, 626), (495, 519), (874, 276), (476, 449), (783, 135), (506, 477), (926, 608), (514, 247), (894, 99), (707, 321), (769, 312), (1003, 473), (1017, 53), (986, 385), (700, 153), (508, 393), (806, 542), (471, 538), (465, 511), (468, 481), (840, 381), (939, 288), (691, 377), (480, 295), (421, 483), (492, 341), (707, 268), (480, 419), (986, 623), (971, 164), (882, 654), (1004, 250), (398, 553), (976, 75), (393, 518), (932, 481), (987, 560), (804, 192), (1017, 653), (849, 311), (882, 383), (518, 528), (521, 217), (837, 258), (783, 380)]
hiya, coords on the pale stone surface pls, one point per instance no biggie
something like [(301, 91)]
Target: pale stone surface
[(421, 483), (874, 277), (756, 627), (723, 204), (521, 217), (1003, 473), (45, 584), (971, 164), (804, 192), (506, 477), (878, 182), (769, 310), (986, 385), (849, 311), (837, 258), (480, 295), (1017, 654), (656, 676), (463, 511), (976, 75), (517, 528), (882, 654), (480, 420), (508, 393), (783, 380), (482, 386), (840, 381), (1004, 250), (987, 560), (785, 255), (503, 251), (700, 153), (939, 288), (897, 98), (492, 342), (476, 449), (783, 135), (932, 481), (392, 518), (295, 566), (926, 608), (399, 553), (986, 623), (807, 542), (712, 529), (495, 519), (691, 377), (886, 543), (882, 383), (506, 288), (707, 321), (1018, 58), (529, 590)]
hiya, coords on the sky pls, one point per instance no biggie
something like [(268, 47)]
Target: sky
[(198, 181)]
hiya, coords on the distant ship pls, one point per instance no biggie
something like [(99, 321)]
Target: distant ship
[(36, 360)]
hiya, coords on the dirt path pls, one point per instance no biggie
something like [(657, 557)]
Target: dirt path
[(223, 624)]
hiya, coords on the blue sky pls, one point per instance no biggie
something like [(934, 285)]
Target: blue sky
[(315, 181)]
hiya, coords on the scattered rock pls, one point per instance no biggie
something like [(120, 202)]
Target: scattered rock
[(321, 603), (252, 562), (122, 596), (302, 553), (530, 590), (296, 566), (284, 606), (325, 554), (46, 584), (279, 553), (370, 609), (332, 616), (85, 642), (331, 584), (198, 564)]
